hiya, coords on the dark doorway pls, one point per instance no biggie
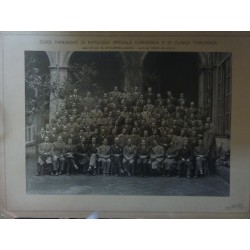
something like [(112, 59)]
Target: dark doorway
[(109, 66), (174, 71)]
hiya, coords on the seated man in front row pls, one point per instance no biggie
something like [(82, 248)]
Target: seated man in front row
[(170, 161), (201, 154), (69, 156), (129, 153), (143, 154), (185, 160), (81, 154), (93, 155), (58, 156), (45, 151), (116, 155), (103, 153), (156, 157)]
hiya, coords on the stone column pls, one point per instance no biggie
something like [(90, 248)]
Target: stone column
[(133, 65), (58, 73)]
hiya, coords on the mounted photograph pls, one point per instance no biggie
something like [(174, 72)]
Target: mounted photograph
[(128, 123)]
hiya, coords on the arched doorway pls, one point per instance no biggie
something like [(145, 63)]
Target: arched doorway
[(108, 65), (174, 71)]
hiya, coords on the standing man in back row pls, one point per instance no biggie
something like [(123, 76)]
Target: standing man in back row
[(210, 144)]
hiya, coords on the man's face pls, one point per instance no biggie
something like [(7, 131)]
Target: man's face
[(129, 142), (83, 140), (149, 90), (59, 138), (54, 130), (93, 140), (71, 131), (105, 141), (155, 143), (143, 143), (75, 91), (69, 141), (145, 133), (116, 141), (71, 119), (115, 88), (200, 142), (46, 139), (42, 130)]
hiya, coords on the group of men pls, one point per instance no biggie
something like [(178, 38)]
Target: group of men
[(127, 133)]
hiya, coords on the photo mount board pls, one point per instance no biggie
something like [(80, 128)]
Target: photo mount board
[(14, 200)]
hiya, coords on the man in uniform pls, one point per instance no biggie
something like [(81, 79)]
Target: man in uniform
[(81, 154), (143, 154), (103, 153), (45, 156), (135, 138), (58, 155), (69, 156), (210, 143), (116, 155), (185, 160), (129, 153), (200, 153), (93, 155), (156, 157), (171, 156)]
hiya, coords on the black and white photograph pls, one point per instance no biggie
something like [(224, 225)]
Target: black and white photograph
[(128, 123)]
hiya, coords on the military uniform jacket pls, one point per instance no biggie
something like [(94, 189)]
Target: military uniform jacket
[(129, 151), (81, 149), (45, 147), (171, 153), (157, 151), (186, 153), (143, 151), (135, 139), (58, 148), (103, 150), (40, 138), (93, 149), (123, 139), (200, 150), (115, 150), (52, 138), (69, 148)]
